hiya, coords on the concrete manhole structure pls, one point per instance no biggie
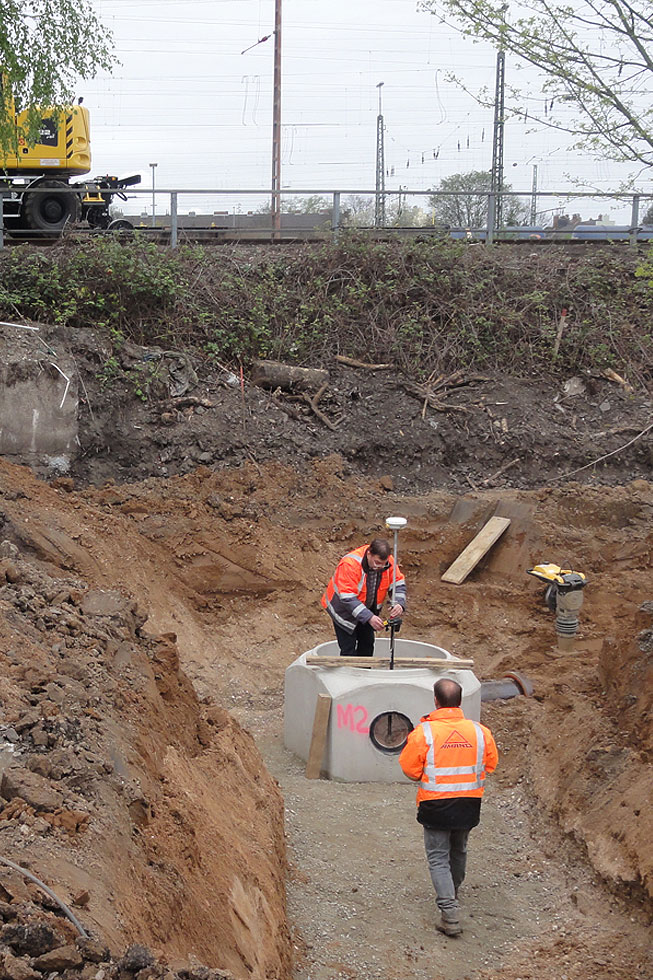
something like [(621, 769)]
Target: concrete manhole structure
[(38, 398), (372, 709)]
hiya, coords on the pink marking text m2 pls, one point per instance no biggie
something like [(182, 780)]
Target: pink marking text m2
[(354, 717)]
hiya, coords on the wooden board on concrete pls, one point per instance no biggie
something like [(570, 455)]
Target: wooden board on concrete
[(475, 550), (434, 662), (319, 737)]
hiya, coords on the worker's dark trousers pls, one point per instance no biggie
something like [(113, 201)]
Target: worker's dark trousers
[(360, 643), (446, 853)]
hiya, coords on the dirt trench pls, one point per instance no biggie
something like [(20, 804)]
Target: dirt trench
[(560, 876)]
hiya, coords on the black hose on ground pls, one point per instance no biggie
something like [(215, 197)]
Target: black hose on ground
[(48, 891)]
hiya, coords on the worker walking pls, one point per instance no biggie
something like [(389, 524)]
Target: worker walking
[(356, 592), (449, 756)]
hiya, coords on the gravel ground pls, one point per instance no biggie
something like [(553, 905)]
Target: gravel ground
[(360, 900)]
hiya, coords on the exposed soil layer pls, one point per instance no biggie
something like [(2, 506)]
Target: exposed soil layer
[(458, 432), (232, 562), (472, 429)]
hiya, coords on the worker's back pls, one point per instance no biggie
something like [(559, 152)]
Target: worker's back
[(450, 756)]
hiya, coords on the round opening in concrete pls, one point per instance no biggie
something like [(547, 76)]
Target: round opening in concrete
[(389, 731)]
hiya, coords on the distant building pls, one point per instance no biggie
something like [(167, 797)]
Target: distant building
[(562, 222)]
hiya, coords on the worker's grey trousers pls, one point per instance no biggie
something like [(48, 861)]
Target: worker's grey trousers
[(446, 853)]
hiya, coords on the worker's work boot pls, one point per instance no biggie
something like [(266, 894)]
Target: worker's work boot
[(450, 926)]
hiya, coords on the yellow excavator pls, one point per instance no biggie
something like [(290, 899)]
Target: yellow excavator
[(38, 196)]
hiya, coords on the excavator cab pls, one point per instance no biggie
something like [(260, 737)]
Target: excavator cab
[(62, 146), (35, 175)]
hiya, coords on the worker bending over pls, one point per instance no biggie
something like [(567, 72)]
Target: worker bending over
[(449, 756), (355, 594)]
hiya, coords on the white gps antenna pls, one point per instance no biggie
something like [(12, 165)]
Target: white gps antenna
[(394, 524)]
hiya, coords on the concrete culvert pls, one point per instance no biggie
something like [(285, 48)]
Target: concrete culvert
[(371, 709)]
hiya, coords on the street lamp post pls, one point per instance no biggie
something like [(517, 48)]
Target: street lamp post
[(534, 196), (153, 166)]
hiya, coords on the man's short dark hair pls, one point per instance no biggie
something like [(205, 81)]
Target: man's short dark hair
[(448, 693), (380, 547)]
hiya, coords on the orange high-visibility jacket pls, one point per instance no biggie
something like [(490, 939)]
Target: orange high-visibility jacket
[(346, 594), (449, 755)]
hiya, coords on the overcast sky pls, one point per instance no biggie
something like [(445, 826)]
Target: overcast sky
[(185, 97)]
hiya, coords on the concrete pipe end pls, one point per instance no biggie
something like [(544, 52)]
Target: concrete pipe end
[(523, 683)]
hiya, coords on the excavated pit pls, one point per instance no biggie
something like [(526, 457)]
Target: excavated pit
[(163, 810)]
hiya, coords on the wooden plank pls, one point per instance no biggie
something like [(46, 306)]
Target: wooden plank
[(319, 736), (369, 662), (475, 550)]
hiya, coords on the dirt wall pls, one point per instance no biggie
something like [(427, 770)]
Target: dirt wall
[(157, 805), (626, 671)]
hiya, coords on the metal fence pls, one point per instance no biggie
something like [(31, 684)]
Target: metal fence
[(408, 213)]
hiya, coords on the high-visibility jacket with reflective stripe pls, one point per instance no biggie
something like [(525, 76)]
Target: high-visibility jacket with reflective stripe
[(449, 755), (346, 594)]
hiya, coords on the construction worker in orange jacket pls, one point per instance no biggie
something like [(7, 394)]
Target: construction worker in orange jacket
[(449, 756), (356, 592)]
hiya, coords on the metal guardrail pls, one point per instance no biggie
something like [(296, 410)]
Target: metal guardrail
[(487, 233)]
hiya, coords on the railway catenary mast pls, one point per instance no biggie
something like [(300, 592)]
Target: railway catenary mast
[(496, 182), (379, 209)]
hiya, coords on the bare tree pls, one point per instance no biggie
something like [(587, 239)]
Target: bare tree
[(313, 204), (596, 56), (358, 211)]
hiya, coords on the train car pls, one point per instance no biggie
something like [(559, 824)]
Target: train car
[(612, 233)]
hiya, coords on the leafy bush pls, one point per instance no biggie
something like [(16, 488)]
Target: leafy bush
[(429, 306)]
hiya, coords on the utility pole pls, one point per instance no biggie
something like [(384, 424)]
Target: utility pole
[(379, 209), (496, 182), (276, 127), (534, 197)]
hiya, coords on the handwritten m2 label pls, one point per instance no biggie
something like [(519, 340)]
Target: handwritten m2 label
[(354, 717)]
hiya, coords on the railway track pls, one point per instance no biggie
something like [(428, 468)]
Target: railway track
[(219, 236)]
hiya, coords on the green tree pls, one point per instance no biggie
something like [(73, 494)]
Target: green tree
[(595, 56), (313, 204), (46, 46), (648, 217), (469, 210)]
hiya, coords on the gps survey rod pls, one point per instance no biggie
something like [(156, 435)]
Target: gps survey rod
[(394, 524)]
